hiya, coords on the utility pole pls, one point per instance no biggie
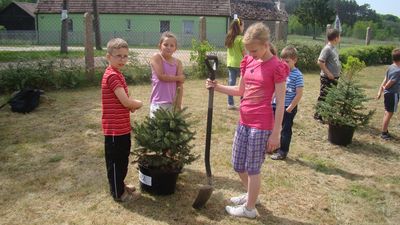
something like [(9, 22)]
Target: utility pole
[(96, 25), (64, 27)]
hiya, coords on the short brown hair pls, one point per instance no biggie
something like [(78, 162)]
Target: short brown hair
[(116, 43), (396, 55), (331, 34), (165, 35), (289, 52)]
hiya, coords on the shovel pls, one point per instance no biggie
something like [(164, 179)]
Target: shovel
[(206, 190)]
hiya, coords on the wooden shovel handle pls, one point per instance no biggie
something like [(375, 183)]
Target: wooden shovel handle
[(178, 97)]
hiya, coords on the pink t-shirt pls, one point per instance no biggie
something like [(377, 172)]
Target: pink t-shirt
[(259, 80)]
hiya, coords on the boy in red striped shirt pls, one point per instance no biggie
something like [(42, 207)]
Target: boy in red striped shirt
[(116, 108)]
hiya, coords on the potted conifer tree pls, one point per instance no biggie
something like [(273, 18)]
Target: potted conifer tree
[(343, 108), (165, 148)]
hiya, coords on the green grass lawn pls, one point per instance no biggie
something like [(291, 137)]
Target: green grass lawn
[(52, 168)]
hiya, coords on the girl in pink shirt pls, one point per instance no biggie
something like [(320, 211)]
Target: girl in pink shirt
[(167, 75), (258, 132)]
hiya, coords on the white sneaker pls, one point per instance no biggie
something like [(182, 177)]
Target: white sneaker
[(242, 199), (232, 107), (241, 211)]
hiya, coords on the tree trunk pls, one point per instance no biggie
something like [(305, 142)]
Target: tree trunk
[(64, 28), (314, 31), (96, 25)]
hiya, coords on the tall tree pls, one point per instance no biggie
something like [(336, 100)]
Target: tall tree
[(347, 11), (318, 13), (366, 13), (291, 5)]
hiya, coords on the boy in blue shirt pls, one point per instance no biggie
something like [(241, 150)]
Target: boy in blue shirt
[(390, 88), (294, 92)]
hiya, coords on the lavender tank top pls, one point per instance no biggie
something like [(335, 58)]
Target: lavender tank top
[(163, 92)]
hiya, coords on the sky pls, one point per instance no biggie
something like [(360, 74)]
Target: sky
[(383, 6)]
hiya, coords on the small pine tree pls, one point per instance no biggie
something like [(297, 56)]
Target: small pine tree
[(164, 141), (344, 103)]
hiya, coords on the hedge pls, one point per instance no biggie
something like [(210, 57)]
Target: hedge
[(371, 55)]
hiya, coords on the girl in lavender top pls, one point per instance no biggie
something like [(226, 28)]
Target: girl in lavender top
[(167, 75)]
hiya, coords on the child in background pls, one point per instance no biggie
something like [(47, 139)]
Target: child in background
[(258, 132), (294, 92), (235, 53), (391, 88), (329, 63), (116, 108), (167, 75)]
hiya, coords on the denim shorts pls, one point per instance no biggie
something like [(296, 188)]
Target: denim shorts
[(391, 100), (249, 147)]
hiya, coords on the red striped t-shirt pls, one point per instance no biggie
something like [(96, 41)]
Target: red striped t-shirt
[(115, 117)]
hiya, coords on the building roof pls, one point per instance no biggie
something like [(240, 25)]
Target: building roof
[(155, 7), (27, 7), (260, 10)]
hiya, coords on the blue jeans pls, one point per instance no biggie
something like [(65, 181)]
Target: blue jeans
[(233, 74), (286, 133)]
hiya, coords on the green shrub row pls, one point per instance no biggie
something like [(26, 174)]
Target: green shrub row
[(63, 74), (135, 72), (307, 54), (371, 55), (41, 74)]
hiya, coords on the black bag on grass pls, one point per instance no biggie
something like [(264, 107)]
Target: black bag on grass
[(24, 101)]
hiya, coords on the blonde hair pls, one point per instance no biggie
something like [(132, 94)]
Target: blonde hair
[(289, 52), (165, 35), (257, 32), (272, 48), (116, 43)]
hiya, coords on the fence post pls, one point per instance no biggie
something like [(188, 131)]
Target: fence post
[(64, 27), (279, 31), (89, 54), (202, 29), (368, 36)]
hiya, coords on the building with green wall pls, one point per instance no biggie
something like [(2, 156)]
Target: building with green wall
[(138, 22)]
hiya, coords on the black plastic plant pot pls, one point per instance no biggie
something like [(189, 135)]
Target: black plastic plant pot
[(340, 135), (157, 182)]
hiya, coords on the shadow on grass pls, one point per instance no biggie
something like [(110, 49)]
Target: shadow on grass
[(266, 217), (326, 169), (373, 149), (376, 132), (177, 208)]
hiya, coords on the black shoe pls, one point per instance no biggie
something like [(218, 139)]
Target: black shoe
[(386, 135)]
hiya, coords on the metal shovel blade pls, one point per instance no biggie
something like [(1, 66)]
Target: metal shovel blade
[(206, 190), (202, 197)]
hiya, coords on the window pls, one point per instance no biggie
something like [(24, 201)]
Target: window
[(188, 26), (164, 26), (70, 25), (128, 24)]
